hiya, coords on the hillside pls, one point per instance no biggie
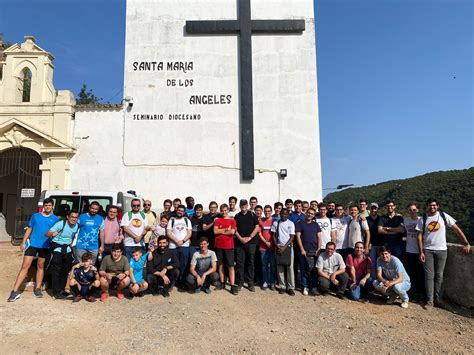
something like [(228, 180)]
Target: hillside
[(454, 190)]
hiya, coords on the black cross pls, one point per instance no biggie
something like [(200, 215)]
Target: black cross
[(245, 26)]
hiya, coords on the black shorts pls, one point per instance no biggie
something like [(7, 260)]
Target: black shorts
[(40, 252), (225, 256)]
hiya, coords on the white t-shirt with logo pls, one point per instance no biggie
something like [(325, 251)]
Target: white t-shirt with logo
[(326, 227), (434, 235), (412, 234), (342, 233), (233, 213), (285, 229), (179, 227), (136, 223)]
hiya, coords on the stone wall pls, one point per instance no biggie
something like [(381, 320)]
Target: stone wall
[(457, 282)]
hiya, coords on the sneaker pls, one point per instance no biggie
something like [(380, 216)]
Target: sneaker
[(340, 295), (197, 290), (291, 292), (264, 286), (60, 296), (305, 291), (77, 299), (90, 299), (391, 299), (207, 290), (166, 292), (440, 304), (219, 286), (13, 296), (234, 290), (314, 291), (120, 295), (38, 293), (272, 287), (281, 291), (404, 304), (104, 296), (251, 288)]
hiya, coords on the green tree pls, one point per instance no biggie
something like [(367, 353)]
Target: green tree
[(87, 97)]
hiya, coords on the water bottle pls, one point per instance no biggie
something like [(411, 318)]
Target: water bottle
[(99, 257)]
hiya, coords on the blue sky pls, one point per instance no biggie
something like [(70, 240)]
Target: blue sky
[(395, 77)]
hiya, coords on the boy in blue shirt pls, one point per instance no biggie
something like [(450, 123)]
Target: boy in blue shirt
[(137, 264), (62, 234), (84, 277), (35, 244)]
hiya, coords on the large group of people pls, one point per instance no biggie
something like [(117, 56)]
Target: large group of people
[(319, 248)]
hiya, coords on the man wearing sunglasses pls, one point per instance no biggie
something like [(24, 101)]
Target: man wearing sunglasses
[(134, 226)]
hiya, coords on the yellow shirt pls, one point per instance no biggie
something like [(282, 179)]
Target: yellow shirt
[(150, 220)]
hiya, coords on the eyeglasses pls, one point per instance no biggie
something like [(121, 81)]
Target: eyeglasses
[(147, 204), (135, 205), (412, 210)]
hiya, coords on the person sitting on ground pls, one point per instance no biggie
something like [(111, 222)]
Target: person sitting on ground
[(392, 279), (331, 271), (203, 268), (162, 269), (137, 266), (114, 273), (358, 266), (84, 278)]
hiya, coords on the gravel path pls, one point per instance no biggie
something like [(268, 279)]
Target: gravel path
[(261, 322)]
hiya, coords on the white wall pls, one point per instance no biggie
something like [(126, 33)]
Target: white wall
[(174, 158)]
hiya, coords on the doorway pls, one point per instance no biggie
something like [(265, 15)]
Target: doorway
[(20, 186)]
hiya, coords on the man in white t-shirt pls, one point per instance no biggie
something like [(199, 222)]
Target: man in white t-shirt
[(357, 230), (414, 266), (325, 224), (232, 206), (179, 231), (283, 233), (340, 233), (331, 271), (433, 250), (134, 226)]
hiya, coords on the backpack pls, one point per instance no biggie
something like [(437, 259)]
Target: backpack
[(130, 214), (186, 220), (425, 217)]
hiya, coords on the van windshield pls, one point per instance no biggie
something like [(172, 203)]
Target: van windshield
[(103, 201), (63, 204)]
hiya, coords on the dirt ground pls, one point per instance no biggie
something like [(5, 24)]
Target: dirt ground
[(260, 322)]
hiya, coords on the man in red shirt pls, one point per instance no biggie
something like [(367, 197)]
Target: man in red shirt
[(267, 250), (358, 266), (224, 229)]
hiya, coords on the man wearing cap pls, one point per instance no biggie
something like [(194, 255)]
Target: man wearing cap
[(246, 243)]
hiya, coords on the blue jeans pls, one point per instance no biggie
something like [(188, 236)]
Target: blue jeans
[(361, 291), (397, 250), (374, 254), (400, 289), (307, 264), (184, 255), (268, 266)]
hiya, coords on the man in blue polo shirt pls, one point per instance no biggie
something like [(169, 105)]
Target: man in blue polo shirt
[(35, 244), (91, 234)]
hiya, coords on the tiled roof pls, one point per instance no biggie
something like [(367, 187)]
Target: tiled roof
[(98, 106)]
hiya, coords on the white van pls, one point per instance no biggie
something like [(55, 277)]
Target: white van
[(66, 200)]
